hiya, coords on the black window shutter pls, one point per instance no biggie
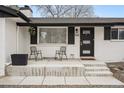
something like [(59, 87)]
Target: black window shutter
[(107, 31), (33, 38), (71, 35)]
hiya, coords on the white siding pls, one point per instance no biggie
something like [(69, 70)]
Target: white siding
[(103, 49), (7, 42), (23, 40), (2, 45), (107, 49), (10, 39)]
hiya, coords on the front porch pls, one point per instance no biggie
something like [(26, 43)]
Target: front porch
[(51, 67), (55, 73)]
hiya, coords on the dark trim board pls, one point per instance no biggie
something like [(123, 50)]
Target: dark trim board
[(71, 35), (69, 24), (9, 12), (3, 14), (87, 58), (23, 16), (107, 31), (33, 38)]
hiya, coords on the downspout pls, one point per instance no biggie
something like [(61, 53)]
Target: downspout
[(17, 40)]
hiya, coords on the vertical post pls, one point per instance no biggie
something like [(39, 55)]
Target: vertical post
[(17, 40), (2, 46)]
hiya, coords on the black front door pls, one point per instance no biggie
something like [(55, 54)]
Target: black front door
[(86, 41)]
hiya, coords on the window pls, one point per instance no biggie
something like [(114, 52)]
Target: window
[(117, 33), (114, 34), (86, 32), (52, 35), (121, 34)]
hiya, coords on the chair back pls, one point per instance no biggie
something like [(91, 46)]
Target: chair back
[(63, 49), (33, 49)]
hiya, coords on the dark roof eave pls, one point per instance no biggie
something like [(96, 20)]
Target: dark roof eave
[(69, 24), (14, 13), (23, 16)]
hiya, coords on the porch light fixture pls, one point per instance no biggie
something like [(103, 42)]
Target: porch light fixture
[(32, 31), (76, 32)]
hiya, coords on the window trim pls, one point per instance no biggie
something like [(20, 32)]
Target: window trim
[(111, 34), (119, 29), (52, 27)]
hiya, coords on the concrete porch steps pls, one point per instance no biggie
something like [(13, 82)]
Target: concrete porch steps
[(98, 73), (97, 69), (95, 65)]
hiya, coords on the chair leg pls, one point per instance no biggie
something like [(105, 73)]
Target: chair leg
[(62, 57), (55, 56), (66, 57), (30, 57), (41, 55), (59, 56), (36, 55)]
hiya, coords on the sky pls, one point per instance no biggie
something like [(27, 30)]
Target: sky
[(102, 11), (109, 10)]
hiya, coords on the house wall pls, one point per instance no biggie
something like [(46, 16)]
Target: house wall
[(10, 39), (7, 42), (2, 45), (107, 49), (23, 40), (103, 49)]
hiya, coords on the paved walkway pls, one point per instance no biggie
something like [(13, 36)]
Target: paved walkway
[(39, 81)]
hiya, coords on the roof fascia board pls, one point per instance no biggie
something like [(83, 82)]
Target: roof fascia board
[(69, 24), (15, 13)]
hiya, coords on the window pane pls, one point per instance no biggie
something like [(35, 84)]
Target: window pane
[(121, 34), (114, 34), (52, 35), (86, 32), (86, 51)]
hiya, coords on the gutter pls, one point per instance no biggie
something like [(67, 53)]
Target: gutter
[(14, 13), (21, 15)]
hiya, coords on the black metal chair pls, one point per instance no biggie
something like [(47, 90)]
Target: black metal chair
[(35, 52), (60, 53)]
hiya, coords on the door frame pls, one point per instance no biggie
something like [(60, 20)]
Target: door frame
[(93, 42)]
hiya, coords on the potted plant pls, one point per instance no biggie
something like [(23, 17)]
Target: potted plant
[(19, 59), (32, 31)]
